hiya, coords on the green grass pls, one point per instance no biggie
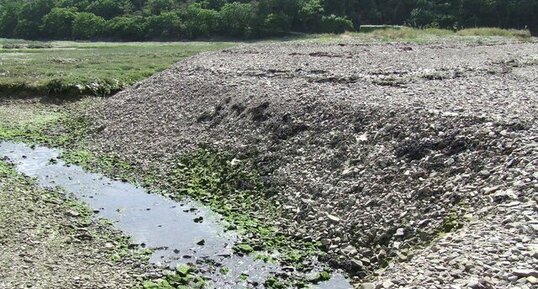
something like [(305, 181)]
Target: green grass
[(387, 34), (76, 68), (372, 28), (487, 31)]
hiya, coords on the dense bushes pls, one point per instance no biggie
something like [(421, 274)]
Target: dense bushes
[(335, 24), (166, 25), (238, 19), (88, 26), (200, 22), (179, 19), (126, 27), (59, 22)]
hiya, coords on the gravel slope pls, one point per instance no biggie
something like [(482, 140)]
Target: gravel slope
[(495, 250), (377, 148)]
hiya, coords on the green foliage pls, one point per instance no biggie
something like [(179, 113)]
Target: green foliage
[(35, 10), (156, 7), (36, 132), (335, 24), (126, 27), (30, 16), (244, 248), (276, 23), (451, 222), (156, 284), (167, 25), (237, 19), (59, 22), (98, 87), (88, 26), (311, 14), (278, 15), (212, 4), (201, 22), (27, 29), (274, 283), (8, 19), (138, 19), (107, 9)]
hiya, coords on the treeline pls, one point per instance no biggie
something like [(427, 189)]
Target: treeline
[(189, 19), (447, 14), (163, 19)]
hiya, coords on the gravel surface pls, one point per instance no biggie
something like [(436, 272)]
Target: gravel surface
[(377, 149), (48, 241), (497, 249)]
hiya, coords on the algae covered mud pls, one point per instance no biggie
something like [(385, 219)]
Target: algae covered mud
[(179, 233)]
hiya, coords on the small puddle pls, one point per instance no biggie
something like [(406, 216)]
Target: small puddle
[(178, 232)]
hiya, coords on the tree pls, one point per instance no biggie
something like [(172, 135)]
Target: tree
[(107, 9), (59, 23), (88, 25), (167, 25), (310, 15), (335, 24), (8, 18), (288, 7), (126, 27), (276, 23), (27, 29), (81, 5), (156, 7), (137, 4), (237, 19), (200, 22), (212, 4), (35, 10), (29, 18)]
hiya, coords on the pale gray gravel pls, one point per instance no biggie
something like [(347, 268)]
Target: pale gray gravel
[(376, 148)]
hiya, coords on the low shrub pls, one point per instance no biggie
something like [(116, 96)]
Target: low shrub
[(99, 87), (335, 24)]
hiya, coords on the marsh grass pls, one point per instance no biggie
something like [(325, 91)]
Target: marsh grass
[(488, 31), (67, 68), (389, 34)]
